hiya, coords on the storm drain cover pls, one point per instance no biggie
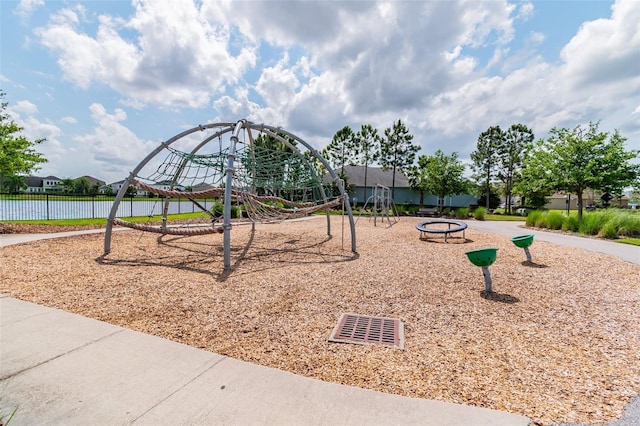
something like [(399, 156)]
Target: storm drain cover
[(360, 329)]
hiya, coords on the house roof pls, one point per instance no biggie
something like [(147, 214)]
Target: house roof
[(33, 181), (37, 181), (375, 176), (94, 180)]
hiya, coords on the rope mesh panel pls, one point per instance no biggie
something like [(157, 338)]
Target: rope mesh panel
[(272, 181)]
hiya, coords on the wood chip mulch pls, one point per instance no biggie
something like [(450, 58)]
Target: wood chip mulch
[(558, 341)]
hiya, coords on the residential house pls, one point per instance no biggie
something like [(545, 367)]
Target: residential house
[(560, 200), (403, 194), (165, 186), (43, 184)]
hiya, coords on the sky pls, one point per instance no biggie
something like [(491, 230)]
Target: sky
[(106, 82)]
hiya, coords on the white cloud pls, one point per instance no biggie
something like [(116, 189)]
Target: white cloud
[(525, 10), (112, 144), (69, 120), (177, 58), (346, 63), (606, 50), (236, 107), (25, 107), (26, 7), (24, 113)]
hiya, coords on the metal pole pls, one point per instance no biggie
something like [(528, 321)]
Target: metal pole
[(231, 158), (487, 279)]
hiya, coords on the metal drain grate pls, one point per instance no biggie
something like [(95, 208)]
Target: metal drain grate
[(360, 329)]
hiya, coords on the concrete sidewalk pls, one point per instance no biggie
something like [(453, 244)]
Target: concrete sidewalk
[(60, 368)]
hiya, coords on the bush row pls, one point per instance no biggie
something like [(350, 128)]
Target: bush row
[(606, 224)]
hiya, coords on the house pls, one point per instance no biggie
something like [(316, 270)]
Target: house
[(94, 181), (43, 184), (560, 200), (164, 186), (403, 194)]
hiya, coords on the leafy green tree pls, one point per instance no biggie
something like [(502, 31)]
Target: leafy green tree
[(415, 181), (14, 183), (510, 158), (68, 185), (95, 189), (367, 147), (486, 158), (341, 150), (577, 159), (131, 191), (397, 152), (81, 185), (535, 183), (442, 175), (17, 155)]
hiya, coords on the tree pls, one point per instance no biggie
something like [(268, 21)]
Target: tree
[(14, 183), (81, 185), (95, 189), (577, 159), (68, 185), (485, 157), (535, 184), (442, 175), (510, 158), (367, 146), (415, 180), (268, 164), (131, 191), (397, 152), (17, 155), (341, 150)]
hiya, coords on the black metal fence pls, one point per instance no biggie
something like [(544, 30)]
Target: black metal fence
[(49, 206)]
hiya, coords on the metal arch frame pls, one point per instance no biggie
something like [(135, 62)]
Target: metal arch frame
[(236, 128)]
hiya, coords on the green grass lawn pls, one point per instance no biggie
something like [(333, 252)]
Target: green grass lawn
[(630, 241), (505, 217), (102, 221)]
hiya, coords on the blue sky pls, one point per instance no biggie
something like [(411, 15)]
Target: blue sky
[(105, 82)]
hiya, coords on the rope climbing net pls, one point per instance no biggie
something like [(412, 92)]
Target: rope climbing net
[(262, 173)]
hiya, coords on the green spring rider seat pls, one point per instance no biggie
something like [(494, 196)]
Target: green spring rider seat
[(484, 257), (524, 241)]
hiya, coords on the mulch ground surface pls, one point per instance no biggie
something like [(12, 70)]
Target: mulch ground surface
[(557, 341)]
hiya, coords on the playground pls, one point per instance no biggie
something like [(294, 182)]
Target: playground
[(558, 340)]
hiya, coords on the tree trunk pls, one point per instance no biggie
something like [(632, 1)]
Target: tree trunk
[(579, 194), (488, 188), (393, 183), (365, 183)]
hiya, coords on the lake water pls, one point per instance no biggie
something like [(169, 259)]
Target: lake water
[(62, 209)]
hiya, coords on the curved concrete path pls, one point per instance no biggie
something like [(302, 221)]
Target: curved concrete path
[(61, 368)]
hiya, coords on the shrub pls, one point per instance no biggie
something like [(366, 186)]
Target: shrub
[(554, 220), (479, 213), (217, 208), (236, 212), (625, 223), (609, 230), (461, 213), (533, 217), (571, 223), (592, 223), (541, 221)]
